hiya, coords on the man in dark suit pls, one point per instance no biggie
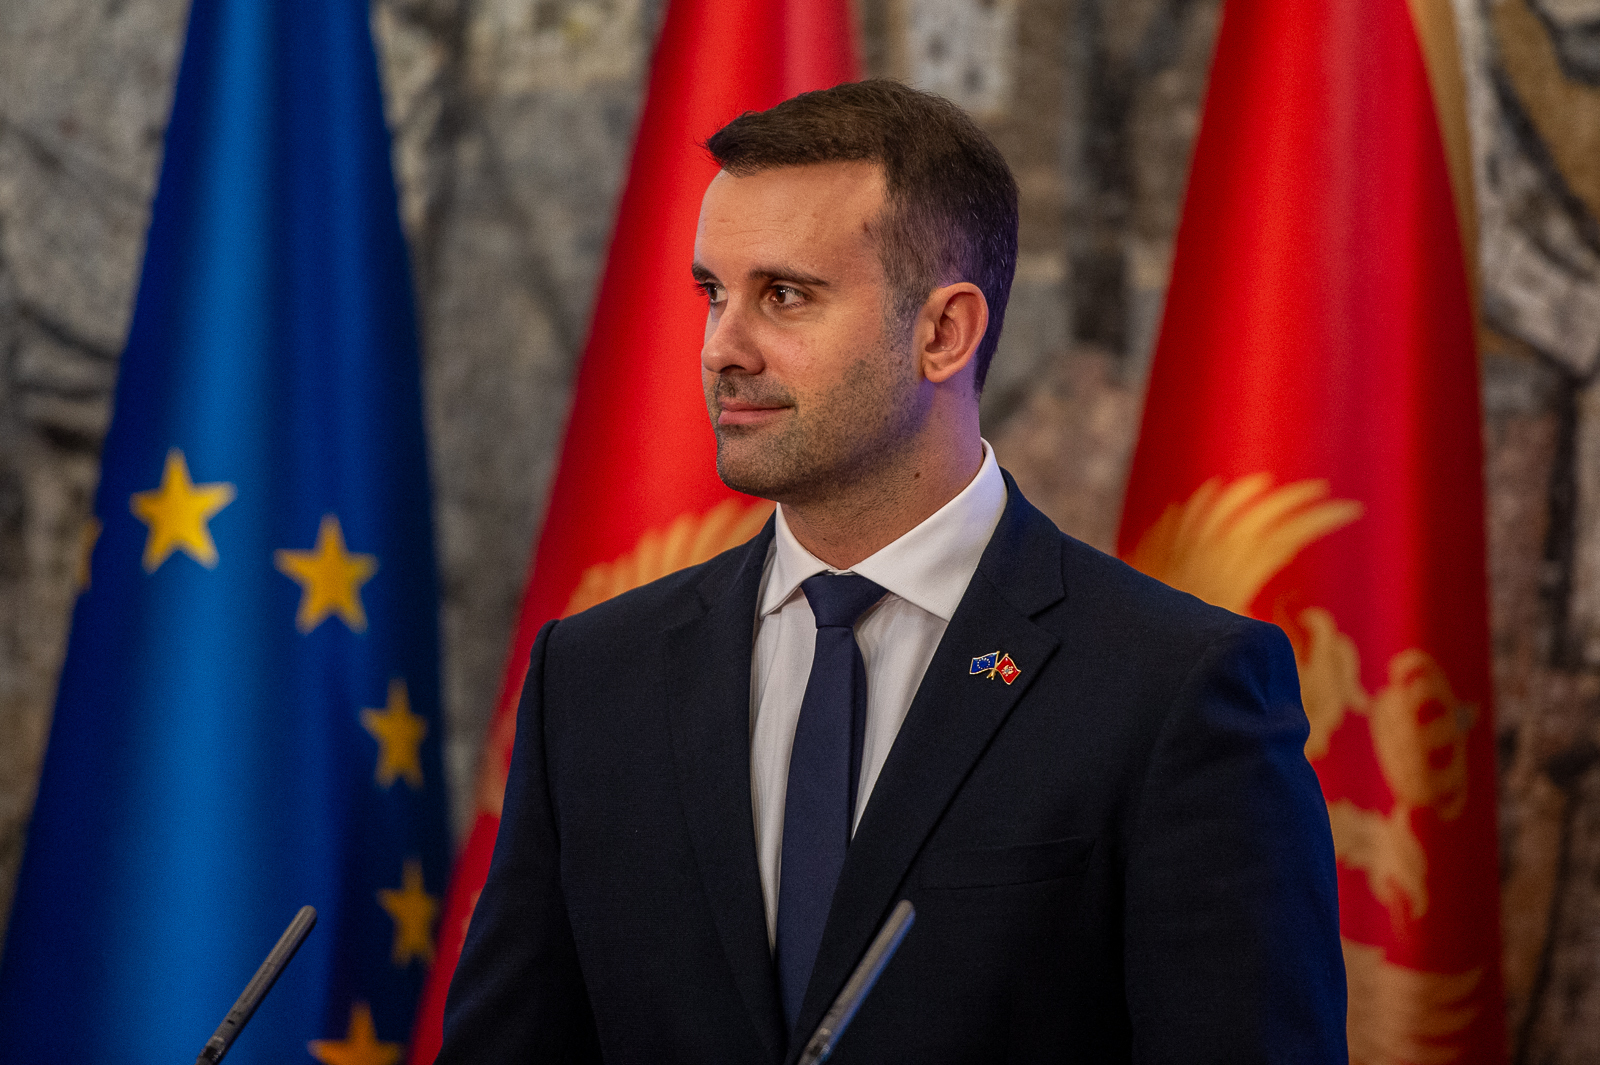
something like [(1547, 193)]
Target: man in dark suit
[(909, 685)]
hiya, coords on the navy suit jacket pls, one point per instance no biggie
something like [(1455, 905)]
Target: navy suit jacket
[(1121, 856)]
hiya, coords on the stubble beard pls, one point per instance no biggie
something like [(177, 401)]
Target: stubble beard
[(832, 442)]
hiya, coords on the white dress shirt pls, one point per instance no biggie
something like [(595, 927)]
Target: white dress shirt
[(925, 572)]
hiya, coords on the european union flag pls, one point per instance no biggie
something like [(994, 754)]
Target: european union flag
[(248, 715)]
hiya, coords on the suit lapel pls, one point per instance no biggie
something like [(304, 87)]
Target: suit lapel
[(950, 723), (708, 698)]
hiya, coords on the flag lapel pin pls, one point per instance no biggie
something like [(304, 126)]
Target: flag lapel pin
[(995, 664)]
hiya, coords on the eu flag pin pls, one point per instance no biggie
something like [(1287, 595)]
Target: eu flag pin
[(994, 664)]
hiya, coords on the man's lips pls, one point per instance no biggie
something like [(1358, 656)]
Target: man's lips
[(743, 412)]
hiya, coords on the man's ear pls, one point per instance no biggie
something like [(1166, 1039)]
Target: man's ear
[(949, 329)]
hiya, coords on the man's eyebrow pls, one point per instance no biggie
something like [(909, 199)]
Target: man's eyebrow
[(704, 276), (785, 273)]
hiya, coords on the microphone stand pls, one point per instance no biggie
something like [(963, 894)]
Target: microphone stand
[(855, 990), (257, 988)]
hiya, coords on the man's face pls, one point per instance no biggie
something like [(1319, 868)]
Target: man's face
[(807, 389)]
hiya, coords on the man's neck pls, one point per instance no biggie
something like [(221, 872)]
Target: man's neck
[(857, 522)]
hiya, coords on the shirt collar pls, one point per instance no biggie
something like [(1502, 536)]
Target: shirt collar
[(930, 566)]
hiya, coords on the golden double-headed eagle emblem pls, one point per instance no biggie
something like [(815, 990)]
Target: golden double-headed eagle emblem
[(690, 540), (1223, 545)]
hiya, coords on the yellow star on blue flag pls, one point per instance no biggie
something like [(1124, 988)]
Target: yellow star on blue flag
[(330, 577), (360, 1046), (178, 513), (413, 911), (399, 733)]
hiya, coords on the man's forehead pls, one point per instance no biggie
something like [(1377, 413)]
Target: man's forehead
[(834, 203), (818, 189)]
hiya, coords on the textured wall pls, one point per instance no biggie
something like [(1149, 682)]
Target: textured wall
[(1535, 109), (512, 122)]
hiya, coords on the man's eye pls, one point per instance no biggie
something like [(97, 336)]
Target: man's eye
[(711, 290), (785, 296)]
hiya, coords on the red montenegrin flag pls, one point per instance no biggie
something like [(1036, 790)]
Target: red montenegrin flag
[(637, 494), (1311, 455)]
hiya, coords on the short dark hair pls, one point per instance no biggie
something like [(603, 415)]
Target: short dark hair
[(952, 202)]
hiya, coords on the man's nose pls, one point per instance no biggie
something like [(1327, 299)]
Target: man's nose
[(730, 341)]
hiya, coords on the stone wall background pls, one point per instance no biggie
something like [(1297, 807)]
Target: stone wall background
[(512, 123)]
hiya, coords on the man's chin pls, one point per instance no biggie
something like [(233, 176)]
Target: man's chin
[(745, 466), (750, 482)]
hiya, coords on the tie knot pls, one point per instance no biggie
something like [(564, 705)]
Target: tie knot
[(838, 599)]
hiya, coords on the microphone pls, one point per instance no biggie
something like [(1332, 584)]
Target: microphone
[(257, 988), (855, 990)]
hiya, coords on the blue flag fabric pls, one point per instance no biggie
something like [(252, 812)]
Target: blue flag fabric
[(248, 715)]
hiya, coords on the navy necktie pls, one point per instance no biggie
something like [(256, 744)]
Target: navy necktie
[(823, 771)]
